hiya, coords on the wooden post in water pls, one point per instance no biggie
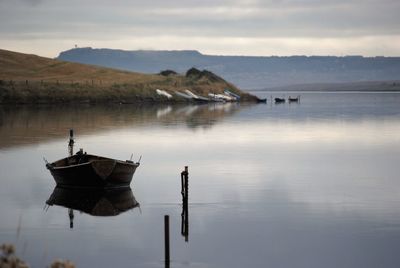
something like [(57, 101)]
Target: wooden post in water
[(185, 183), (166, 239), (71, 142), (185, 205)]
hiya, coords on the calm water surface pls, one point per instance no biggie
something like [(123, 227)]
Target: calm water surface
[(314, 184)]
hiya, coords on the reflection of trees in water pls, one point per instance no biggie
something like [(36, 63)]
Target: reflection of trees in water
[(32, 124)]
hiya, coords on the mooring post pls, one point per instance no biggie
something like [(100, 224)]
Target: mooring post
[(185, 205), (166, 239), (185, 183), (71, 142)]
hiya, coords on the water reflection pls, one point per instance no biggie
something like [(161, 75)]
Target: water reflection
[(93, 202), (22, 125), (317, 181)]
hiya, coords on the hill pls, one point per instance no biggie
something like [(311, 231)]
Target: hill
[(32, 79), (247, 72)]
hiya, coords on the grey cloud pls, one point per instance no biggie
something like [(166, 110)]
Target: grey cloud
[(255, 21), (126, 19)]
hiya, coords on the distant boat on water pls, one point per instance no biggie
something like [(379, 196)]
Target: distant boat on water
[(297, 99), (280, 100)]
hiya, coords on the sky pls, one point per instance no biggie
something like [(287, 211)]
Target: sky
[(217, 27)]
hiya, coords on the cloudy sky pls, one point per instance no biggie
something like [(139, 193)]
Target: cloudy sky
[(223, 27)]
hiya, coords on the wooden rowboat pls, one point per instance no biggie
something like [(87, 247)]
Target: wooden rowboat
[(91, 171)]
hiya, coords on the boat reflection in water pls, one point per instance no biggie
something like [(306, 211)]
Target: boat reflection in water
[(98, 202)]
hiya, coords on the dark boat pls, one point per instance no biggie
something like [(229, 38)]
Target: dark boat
[(279, 100), (91, 171), (101, 202), (294, 99), (261, 100)]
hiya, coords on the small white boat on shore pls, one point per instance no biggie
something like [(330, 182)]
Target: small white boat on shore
[(231, 94), (196, 97), (183, 95), (163, 93), (220, 97)]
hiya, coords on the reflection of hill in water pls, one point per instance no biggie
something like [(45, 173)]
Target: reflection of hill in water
[(21, 125)]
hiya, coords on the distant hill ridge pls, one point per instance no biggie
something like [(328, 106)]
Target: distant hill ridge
[(28, 78), (249, 72)]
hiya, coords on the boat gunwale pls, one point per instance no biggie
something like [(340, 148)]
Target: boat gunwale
[(51, 167)]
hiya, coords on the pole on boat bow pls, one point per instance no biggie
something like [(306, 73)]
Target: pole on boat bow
[(71, 142)]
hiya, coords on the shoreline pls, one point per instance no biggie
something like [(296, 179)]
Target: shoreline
[(26, 92)]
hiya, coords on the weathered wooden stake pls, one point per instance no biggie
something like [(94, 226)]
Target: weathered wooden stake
[(166, 239), (185, 182), (185, 205)]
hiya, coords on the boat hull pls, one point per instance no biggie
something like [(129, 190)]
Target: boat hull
[(97, 173), (279, 100)]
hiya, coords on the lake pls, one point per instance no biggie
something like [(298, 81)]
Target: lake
[(309, 184)]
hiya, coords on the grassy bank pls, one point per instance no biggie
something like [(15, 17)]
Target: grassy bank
[(32, 79)]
